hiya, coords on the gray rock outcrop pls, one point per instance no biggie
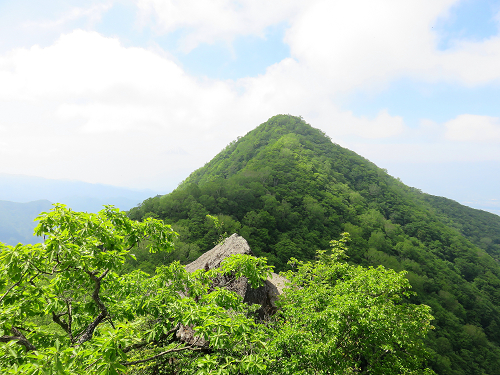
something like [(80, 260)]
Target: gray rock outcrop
[(265, 295), (234, 244)]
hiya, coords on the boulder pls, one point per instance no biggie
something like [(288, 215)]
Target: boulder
[(234, 244), (265, 295)]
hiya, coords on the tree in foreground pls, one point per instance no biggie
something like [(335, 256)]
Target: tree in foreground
[(337, 318), (65, 308)]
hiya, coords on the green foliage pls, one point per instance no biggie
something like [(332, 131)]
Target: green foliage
[(480, 227), (337, 318), (65, 308), (288, 190), (218, 226)]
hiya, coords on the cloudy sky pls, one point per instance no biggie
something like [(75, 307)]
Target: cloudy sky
[(139, 93)]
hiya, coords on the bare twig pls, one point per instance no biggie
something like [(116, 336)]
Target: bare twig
[(92, 364)]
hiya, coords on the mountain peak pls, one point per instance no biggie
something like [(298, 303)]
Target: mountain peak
[(280, 131), (288, 190)]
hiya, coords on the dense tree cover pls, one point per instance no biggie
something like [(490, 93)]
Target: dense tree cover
[(64, 309), (480, 227), (289, 190), (345, 319)]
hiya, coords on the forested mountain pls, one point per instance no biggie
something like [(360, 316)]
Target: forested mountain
[(480, 227), (289, 190)]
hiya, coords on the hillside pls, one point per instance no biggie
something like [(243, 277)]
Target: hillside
[(480, 227), (288, 190)]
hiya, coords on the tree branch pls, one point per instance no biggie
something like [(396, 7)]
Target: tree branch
[(20, 338), (173, 350), (136, 346), (87, 334), (13, 286), (92, 364), (70, 319), (56, 318), (144, 343)]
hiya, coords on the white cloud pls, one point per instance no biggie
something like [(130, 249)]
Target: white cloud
[(104, 112), (82, 63), (108, 113), (101, 118), (353, 44), (210, 21), (360, 43), (473, 128), (471, 63), (436, 143), (112, 87), (93, 14), (107, 87), (86, 107), (404, 151), (382, 126)]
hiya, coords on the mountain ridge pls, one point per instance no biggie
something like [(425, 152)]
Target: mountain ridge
[(288, 190)]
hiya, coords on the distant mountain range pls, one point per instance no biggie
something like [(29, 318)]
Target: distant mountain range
[(23, 197), (80, 196), (16, 221)]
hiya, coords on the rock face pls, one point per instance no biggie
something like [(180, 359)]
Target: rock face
[(265, 295), (213, 258)]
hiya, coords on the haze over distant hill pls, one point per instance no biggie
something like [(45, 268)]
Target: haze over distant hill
[(465, 181), (16, 221), (80, 196), (22, 198)]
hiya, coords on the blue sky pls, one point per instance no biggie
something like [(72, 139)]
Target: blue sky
[(139, 93)]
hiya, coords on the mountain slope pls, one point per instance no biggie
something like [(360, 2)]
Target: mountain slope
[(288, 190), (480, 227)]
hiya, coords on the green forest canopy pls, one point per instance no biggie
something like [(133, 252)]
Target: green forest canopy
[(289, 190), (66, 308)]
